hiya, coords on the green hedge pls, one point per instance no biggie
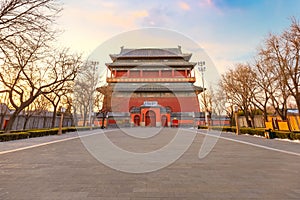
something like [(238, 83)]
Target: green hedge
[(202, 127), (252, 131), (286, 135), (219, 128), (13, 136), (281, 134), (294, 136), (40, 133), (17, 134)]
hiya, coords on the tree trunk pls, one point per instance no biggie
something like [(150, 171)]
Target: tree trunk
[(298, 104), (247, 119), (75, 120), (1, 120), (265, 115), (25, 122), (103, 120), (11, 121), (54, 116), (84, 117), (283, 112), (252, 121)]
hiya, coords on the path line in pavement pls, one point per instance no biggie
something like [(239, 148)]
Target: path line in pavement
[(202, 133), (248, 143), (47, 143)]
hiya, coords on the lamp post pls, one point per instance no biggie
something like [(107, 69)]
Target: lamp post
[(236, 109), (62, 110), (202, 69)]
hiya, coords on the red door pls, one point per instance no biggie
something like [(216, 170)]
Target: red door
[(150, 118), (136, 120)]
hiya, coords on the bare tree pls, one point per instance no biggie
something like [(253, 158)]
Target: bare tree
[(219, 102), (37, 107), (4, 107), (264, 79), (28, 77), (276, 82), (239, 86), (84, 91), (280, 55), (25, 22), (28, 67), (56, 97), (80, 103), (291, 66), (272, 80), (206, 100), (106, 91)]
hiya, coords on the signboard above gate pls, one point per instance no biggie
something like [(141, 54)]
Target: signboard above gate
[(150, 103)]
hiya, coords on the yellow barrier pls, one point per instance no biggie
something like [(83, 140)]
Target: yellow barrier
[(294, 123), (283, 126), (269, 125)]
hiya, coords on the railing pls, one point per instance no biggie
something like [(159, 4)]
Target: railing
[(142, 80)]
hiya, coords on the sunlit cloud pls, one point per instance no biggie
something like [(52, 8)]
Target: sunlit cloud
[(140, 13), (184, 6), (206, 3), (86, 29)]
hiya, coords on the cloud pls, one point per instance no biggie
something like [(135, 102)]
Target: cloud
[(207, 3), (158, 16), (184, 6), (140, 14), (85, 29)]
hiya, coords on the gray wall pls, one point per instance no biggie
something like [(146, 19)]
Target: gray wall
[(37, 122)]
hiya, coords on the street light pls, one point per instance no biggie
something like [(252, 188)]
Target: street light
[(202, 69), (94, 82)]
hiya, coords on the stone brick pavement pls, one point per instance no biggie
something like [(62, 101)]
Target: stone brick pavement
[(232, 170)]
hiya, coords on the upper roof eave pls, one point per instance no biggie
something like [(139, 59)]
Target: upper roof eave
[(157, 63), (150, 53)]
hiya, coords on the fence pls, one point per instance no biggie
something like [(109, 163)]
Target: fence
[(35, 122)]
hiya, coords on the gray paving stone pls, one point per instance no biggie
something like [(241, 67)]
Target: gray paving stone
[(232, 170)]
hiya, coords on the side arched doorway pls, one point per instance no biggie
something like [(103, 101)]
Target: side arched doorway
[(164, 121), (136, 120), (150, 118)]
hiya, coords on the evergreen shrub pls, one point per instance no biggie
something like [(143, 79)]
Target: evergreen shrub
[(13, 136)]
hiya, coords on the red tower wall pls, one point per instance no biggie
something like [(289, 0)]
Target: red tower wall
[(177, 104)]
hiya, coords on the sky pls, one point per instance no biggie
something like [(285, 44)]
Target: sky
[(229, 31)]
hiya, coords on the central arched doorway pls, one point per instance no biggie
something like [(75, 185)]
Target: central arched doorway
[(150, 118)]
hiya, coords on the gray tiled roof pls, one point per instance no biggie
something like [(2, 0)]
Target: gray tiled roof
[(150, 52)]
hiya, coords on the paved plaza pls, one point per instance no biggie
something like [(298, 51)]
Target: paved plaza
[(237, 167)]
